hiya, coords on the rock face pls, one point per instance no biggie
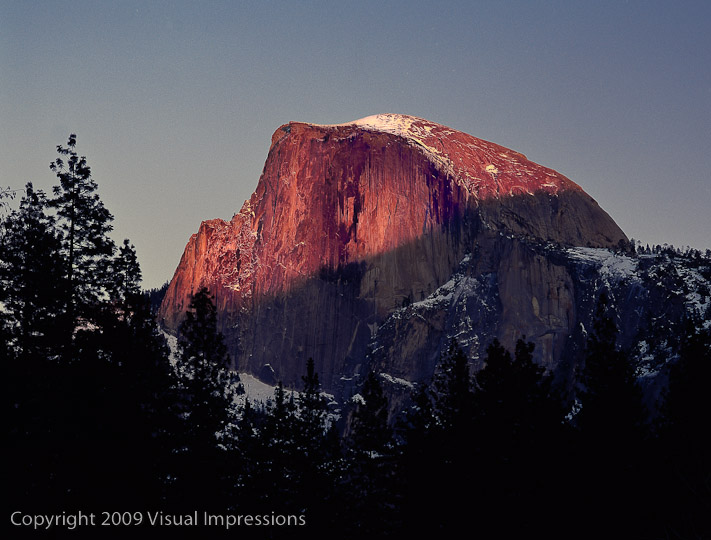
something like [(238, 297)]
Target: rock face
[(352, 223)]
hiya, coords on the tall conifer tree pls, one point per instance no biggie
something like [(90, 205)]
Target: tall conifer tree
[(611, 429), (370, 431), (206, 390), (371, 471), (311, 423), (203, 368), (611, 399), (126, 272), (452, 392), (31, 276), (86, 224)]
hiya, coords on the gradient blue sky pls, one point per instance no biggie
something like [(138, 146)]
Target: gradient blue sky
[(174, 103)]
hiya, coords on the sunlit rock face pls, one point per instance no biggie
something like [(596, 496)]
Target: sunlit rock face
[(349, 223)]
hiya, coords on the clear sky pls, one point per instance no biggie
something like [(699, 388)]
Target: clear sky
[(174, 103)]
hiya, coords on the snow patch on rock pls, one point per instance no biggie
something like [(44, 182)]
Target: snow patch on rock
[(462, 157), (612, 266), (397, 381)]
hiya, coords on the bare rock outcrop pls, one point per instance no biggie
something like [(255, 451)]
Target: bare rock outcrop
[(351, 223)]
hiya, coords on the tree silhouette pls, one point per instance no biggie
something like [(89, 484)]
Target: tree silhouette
[(683, 483), (126, 272), (438, 445), (206, 390), (87, 248), (513, 398), (204, 377), (31, 274), (70, 418), (370, 486), (611, 430), (370, 431), (316, 453), (514, 415), (611, 399), (452, 392), (311, 420), (270, 462), (32, 278)]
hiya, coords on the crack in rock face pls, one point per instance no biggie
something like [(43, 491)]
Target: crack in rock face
[(350, 222)]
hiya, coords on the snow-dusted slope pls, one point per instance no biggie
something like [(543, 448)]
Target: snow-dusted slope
[(483, 168)]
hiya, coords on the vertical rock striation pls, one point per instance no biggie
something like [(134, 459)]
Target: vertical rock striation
[(351, 222)]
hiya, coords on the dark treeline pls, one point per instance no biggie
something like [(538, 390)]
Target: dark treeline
[(155, 296), (101, 418)]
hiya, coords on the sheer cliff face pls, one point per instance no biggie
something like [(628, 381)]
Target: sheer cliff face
[(349, 222)]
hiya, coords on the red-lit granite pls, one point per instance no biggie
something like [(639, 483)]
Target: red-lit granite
[(402, 197)]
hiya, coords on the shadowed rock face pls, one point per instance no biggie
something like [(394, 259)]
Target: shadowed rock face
[(351, 222)]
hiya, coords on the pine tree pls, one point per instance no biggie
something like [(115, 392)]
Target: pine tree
[(370, 478), (438, 447), (124, 377), (682, 483), (156, 296), (493, 403), (272, 466), (452, 392), (611, 399), (419, 421), (370, 431), (6, 194), (126, 272), (206, 391), (30, 274), (281, 416), (316, 453), (86, 224), (611, 431), (279, 431), (251, 460), (31, 277), (203, 367), (311, 424), (75, 422), (515, 423)]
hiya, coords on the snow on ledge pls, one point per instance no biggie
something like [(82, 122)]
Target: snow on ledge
[(397, 124)]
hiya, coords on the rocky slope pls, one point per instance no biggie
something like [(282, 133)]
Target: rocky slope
[(351, 222)]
